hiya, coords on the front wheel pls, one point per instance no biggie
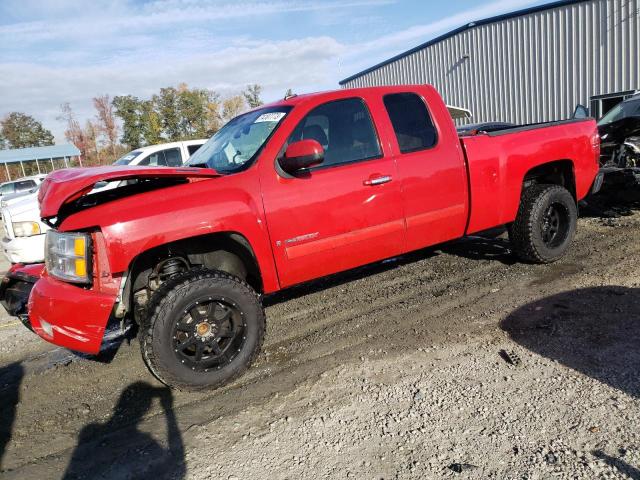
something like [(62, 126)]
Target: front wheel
[(545, 225), (203, 329)]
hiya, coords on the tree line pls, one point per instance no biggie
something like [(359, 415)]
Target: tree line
[(126, 122)]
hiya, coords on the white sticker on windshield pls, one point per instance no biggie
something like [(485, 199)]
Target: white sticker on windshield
[(269, 117)]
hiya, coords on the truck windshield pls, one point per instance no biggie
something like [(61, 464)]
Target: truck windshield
[(620, 111), (126, 159), (236, 145)]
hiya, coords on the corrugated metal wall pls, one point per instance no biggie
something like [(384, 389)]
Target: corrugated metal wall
[(531, 68)]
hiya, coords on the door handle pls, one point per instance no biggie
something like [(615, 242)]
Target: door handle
[(377, 180)]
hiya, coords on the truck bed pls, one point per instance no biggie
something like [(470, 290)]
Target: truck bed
[(499, 161)]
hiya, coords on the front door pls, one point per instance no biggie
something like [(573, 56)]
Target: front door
[(345, 212)]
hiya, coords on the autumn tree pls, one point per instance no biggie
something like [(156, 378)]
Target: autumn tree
[(151, 123), (91, 139), (19, 130), (73, 132), (178, 113), (232, 107), (252, 95), (214, 115), (106, 121)]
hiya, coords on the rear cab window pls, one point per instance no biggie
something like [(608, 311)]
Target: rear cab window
[(345, 130), (411, 122), (172, 157), (193, 149)]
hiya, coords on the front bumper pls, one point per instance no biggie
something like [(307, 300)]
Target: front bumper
[(24, 249), (68, 315), (15, 289)]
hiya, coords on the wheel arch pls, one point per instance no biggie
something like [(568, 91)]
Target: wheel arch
[(227, 251), (556, 172)]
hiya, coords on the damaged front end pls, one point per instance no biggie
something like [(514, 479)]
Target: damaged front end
[(15, 290), (619, 131), (70, 301)]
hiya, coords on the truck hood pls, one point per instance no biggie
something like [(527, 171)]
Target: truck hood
[(64, 186), (29, 206)]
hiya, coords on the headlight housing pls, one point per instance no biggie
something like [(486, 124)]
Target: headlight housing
[(67, 256), (26, 229)]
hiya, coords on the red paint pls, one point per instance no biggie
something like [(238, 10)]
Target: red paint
[(78, 316), (62, 186), (328, 220), (303, 148)]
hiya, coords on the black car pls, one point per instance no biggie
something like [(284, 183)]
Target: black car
[(619, 131)]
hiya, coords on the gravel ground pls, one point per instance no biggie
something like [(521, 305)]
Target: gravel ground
[(453, 362)]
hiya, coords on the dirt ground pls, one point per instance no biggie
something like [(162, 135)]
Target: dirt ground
[(452, 362)]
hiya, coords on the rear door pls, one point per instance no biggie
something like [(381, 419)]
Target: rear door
[(431, 168), (343, 213)]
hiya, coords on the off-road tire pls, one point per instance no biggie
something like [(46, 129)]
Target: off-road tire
[(526, 232), (168, 303)]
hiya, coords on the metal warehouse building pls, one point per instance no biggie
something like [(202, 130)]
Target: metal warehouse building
[(533, 65)]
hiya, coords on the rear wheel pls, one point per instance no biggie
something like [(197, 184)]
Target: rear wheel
[(202, 330), (545, 224)]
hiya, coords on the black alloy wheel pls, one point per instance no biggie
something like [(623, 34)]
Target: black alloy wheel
[(554, 225), (210, 334)]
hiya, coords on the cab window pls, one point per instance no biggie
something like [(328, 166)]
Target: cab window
[(172, 157), (411, 122), (25, 185), (343, 128), (193, 149)]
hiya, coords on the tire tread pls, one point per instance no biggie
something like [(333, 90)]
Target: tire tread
[(521, 231), (171, 292)]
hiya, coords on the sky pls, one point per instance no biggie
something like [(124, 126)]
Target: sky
[(55, 51)]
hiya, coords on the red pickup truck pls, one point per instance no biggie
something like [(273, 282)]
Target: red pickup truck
[(286, 193)]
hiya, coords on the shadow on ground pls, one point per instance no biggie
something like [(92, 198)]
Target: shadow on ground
[(595, 331), (614, 201), (10, 380), (619, 464), (482, 248), (118, 448), (346, 277)]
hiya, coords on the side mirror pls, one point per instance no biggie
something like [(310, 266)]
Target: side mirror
[(581, 112), (302, 154)]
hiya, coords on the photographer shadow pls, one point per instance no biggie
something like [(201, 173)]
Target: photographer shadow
[(10, 379), (118, 448)]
